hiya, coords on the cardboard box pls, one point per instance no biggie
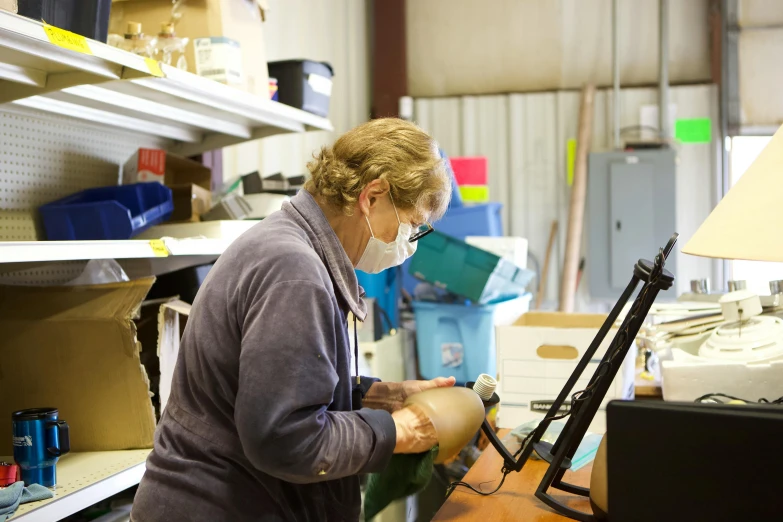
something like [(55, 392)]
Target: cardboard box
[(538, 353), (189, 180), (687, 377), (165, 167), (75, 348), (226, 37), (190, 202)]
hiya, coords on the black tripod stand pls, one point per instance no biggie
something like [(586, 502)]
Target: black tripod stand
[(585, 403)]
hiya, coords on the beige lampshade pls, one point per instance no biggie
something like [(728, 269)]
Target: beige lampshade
[(748, 222)]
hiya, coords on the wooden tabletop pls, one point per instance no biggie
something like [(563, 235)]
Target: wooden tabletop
[(516, 500)]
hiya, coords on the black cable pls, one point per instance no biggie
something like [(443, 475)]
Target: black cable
[(713, 396), (385, 316), (458, 483)]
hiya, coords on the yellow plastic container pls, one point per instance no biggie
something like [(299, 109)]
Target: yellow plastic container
[(474, 193)]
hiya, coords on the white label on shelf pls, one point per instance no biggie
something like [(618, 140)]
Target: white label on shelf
[(320, 84), (219, 59)]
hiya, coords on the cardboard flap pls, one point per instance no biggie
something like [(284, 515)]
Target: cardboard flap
[(561, 320), (70, 303), (75, 348)]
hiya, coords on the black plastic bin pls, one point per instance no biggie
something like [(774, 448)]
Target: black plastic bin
[(88, 18), (304, 84)]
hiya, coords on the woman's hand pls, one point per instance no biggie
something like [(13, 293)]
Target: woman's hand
[(390, 396), (415, 431)]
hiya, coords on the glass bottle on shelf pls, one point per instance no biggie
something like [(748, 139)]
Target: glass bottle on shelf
[(133, 41), (170, 49)]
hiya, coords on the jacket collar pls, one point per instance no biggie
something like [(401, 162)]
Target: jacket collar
[(304, 209)]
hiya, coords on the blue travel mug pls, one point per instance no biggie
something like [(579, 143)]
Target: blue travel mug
[(39, 440)]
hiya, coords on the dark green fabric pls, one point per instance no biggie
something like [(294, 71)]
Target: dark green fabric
[(404, 476)]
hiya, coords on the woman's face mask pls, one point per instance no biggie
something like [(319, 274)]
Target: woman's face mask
[(379, 256)]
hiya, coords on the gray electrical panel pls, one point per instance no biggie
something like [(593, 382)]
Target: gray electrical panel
[(630, 214)]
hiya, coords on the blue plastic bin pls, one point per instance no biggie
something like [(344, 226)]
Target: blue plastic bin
[(107, 212), (459, 340), (385, 289), (472, 220), (461, 222)]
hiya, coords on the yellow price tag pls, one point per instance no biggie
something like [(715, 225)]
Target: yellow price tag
[(154, 67), (159, 248), (67, 39)]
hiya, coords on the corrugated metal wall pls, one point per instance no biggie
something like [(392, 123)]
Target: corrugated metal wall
[(524, 137), (458, 47), (334, 31)]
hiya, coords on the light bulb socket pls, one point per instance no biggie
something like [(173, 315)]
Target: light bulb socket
[(485, 386)]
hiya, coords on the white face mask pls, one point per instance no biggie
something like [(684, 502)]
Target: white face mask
[(379, 256)]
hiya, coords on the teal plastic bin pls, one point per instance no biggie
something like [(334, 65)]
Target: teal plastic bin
[(459, 340), (464, 270)]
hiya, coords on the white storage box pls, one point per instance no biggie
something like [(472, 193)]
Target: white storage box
[(384, 359), (687, 377), (264, 204), (513, 249), (538, 353)]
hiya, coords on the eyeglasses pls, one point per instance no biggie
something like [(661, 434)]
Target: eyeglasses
[(420, 232)]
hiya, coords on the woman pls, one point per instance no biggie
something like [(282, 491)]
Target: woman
[(267, 419)]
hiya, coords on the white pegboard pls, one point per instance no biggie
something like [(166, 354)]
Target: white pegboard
[(45, 157), (42, 274)]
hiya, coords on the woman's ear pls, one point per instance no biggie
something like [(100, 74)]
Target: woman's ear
[(371, 194)]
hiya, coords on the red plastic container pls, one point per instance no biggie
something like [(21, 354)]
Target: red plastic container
[(470, 171), (9, 473)]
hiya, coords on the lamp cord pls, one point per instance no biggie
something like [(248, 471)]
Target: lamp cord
[(714, 396), (459, 483), (579, 397)]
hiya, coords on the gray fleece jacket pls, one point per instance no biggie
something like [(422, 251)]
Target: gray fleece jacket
[(263, 421)]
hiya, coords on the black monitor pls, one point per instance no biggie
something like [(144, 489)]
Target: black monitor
[(694, 462)]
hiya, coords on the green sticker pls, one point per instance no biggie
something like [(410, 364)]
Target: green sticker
[(695, 130), (570, 160)]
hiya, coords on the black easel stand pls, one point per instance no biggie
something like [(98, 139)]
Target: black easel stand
[(585, 403)]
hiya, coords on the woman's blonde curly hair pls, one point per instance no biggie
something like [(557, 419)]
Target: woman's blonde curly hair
[(386, 148)]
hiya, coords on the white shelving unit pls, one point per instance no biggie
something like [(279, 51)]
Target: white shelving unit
[(195, 113), (71, 111), (136, 100), (40, 251), (84, 479)]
